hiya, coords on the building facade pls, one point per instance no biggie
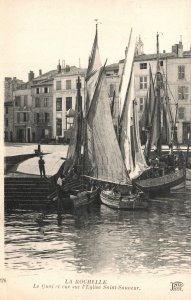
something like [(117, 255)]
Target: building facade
[(64, 99), (43, 108), (8, 121), (22, 114), (176, 70)]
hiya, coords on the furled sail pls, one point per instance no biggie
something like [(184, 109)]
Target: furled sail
[(129, 134), (145, 121), (102, 154), (92, 71), (149, 117), (157, 125)]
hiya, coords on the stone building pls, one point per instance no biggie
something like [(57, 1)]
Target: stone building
[(176, 69), (8, 121), (113, 81), (10, 84), (64, 99), (22, 114), (16, 114), (42, 106)]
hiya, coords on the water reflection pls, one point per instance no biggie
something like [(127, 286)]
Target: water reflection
[(98, 239)]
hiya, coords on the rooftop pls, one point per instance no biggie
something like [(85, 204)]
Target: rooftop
[(72, 70)]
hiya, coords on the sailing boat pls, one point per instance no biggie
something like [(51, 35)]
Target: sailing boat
[(102, 154), (77, 190), (164, 173)]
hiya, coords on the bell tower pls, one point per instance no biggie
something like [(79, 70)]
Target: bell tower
[(139, 47)]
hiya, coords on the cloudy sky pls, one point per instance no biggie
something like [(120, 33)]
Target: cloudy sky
[(36, 33)]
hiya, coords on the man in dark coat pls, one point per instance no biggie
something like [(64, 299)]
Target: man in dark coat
[(41, 164)]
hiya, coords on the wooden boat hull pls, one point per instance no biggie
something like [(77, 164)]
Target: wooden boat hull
[(162, 183), (125, 202), (84, 198), (68, 201), (188, 174)]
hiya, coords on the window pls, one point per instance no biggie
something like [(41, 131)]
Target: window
[(58, 85), (143, 82), (68, 103), (18, 117), (6, 122), (143, 66), (111, 90), (37, 102), (17, 101), (183, 93), (6, 110), (181, 72), (42, 133), (58, 104), (25, 100), (47, 117), (37, 117), (68, 84), (58, 126), (141, 103), (37, 90), (45, 89), (6, 135), (25, 117), (181, 113), (46, 102), (161, 63)]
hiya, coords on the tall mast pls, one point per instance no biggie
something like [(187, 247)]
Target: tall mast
[(79, 121), (158, 95)]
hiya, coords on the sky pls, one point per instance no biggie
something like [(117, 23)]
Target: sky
[(37, 33)]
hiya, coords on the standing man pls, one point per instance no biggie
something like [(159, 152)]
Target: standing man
[(59, 182), (41, 164)]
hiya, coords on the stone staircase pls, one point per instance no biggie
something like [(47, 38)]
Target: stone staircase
[(21, 192)]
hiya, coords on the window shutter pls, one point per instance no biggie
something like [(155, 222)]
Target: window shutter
[(186, 92)]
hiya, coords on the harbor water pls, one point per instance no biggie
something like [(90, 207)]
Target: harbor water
[(99, 240)]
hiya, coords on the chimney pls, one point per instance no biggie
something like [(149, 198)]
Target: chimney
[(177, 49), (180, 49), (59, 67), (40, 72), (67, 68), (30, 76)]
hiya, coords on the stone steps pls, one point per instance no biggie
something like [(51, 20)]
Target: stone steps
[(19, 191)]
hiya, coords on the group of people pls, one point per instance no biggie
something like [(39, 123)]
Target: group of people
[(165, 164)]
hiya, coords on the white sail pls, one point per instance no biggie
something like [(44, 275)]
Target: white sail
[(125, 78), (92, 71), (129, 136), (102, 154)]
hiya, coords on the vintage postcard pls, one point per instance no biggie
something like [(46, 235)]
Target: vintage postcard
[(95, 148)]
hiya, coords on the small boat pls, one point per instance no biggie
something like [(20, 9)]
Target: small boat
[(161, 184), (73, 197), (126, 202), (84, 198), (188, 174)]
